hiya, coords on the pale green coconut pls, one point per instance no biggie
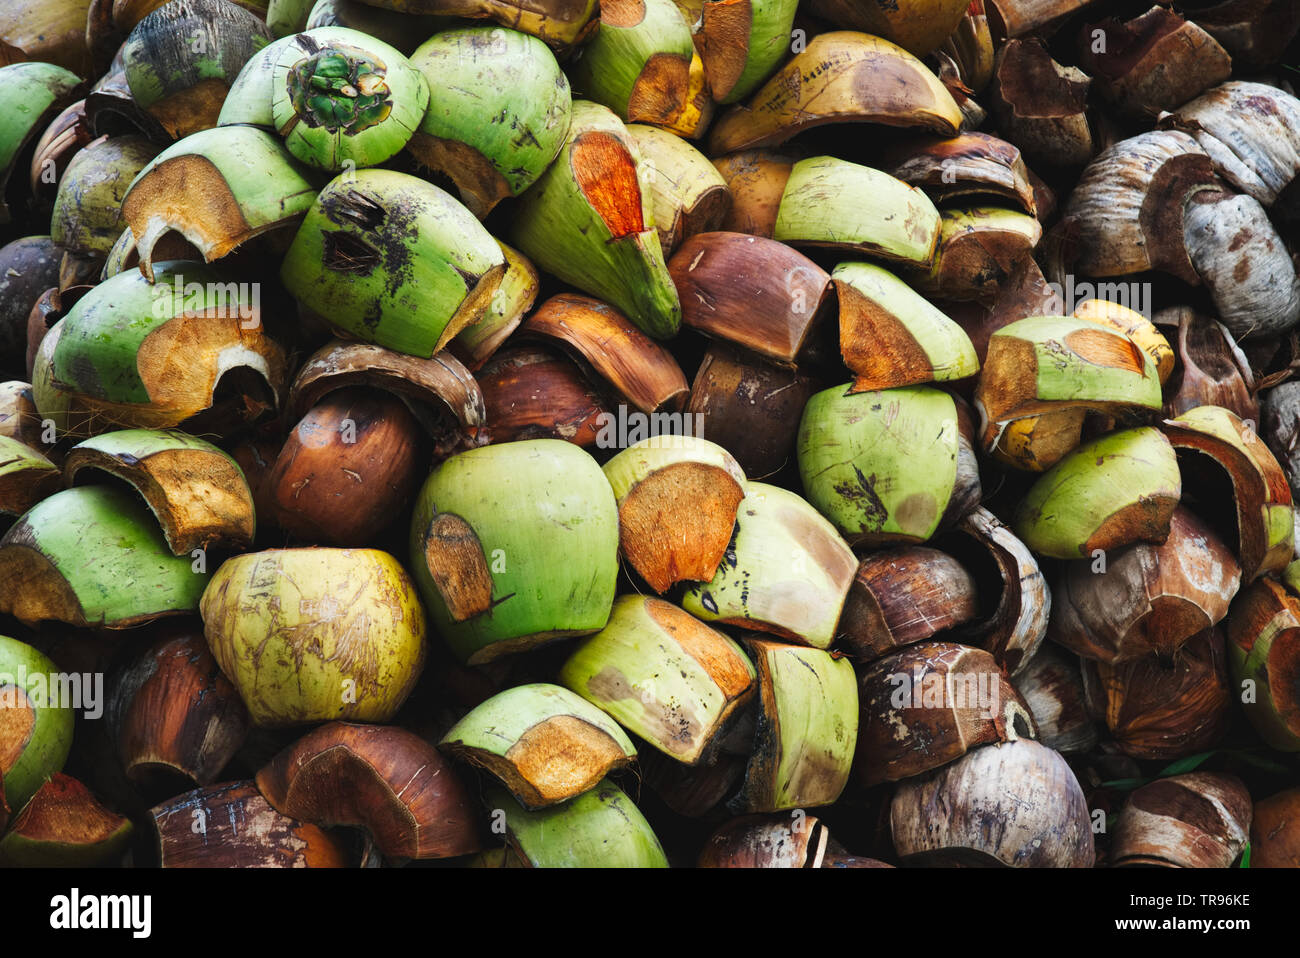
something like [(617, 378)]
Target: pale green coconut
[(1114, 490), (807, 734), (664, 675), (314, 635), (26, 476), (393, 260), (834, 203), (765, 26), (881, 466), (631, 67), (546, 744), (250, 97), (30, 95), (499, 110), (132, 578), (28, 680), (600, 828), (514, 545), (87, 216), (589, 220), (352, 103), (890, 335), (786, 571), (181, 58)]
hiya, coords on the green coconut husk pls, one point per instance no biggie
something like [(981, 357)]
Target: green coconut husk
[(217, 188), (514, 545), (677, 499), (134, 354), (807, 732), (181, 58), (391, 259), (786, 571), (63, 826), (26, 476), (687, 192), (841, 205), (601, 828), (1045, 364), (314, 635), (353, 102), (1265, 517), (196, 491), (499, 111), (589, 221), (254, 90), (87, 215), (881, 466), (37, 728), (286, 17), (546, 744), (121, 255), (1109, 492), (664, 675), (30, 95), (638, 63), (1263, 632), (133, 579), (742, 43), (892, 336), (511, 301)]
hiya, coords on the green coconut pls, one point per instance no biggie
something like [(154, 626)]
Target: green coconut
[(181, 58), (601, 828), (882, 466), (589, 221), (786, 571), (841, 205), (30, 95), (514, 545), (133, 577), (664, 675), (1109, 492), (890, 335), (217, 188), (35, 728), (197, 491), (352, 102), (314, 635), (546, 744), (393, 260), (499, 110), (134, 354), (87, 215), (639, 61), (806, 736)]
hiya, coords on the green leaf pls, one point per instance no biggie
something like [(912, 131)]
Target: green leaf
[(1244, 860), (1125, 784), (1263, 761), (1188, 764)]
